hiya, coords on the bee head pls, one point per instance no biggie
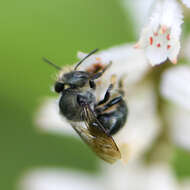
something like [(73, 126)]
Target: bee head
[(72, 79)]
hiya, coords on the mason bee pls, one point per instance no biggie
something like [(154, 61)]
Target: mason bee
[(94, 121)]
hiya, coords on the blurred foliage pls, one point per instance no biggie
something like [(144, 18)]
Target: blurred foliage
[(181, 160), (57, 30)]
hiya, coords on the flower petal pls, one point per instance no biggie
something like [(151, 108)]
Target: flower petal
[(160, 37), (175, 85), (56, 179), (186, 2), (156, 55), (173, 51), (138, 176), (143, 124), (178, 120), (48, 119), (126, 61), (171, 15)]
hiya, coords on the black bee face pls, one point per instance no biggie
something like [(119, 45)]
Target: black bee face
[(73, 79), (76, 79)]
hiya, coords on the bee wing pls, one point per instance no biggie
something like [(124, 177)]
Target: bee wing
[(95, 136)]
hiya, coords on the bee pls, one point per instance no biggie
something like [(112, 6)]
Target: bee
[(94, 121)]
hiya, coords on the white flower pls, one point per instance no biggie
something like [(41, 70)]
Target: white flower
[(142, 127), (178, 119), (48, 119), (136, 137), (126, 61), (143, 124), (136, 176), (186, 2), (57, 179), (160, 39), (175, 85)]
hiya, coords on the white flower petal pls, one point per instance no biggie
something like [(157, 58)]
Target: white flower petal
[(173, 51), (175, 85), (137, 176), (55, 179), (139, 11), (171, 15), (126, 61), (48, 119), (186, 2), (160, 37), (178, 120), (156, 15), (155, 55), (143, 124)]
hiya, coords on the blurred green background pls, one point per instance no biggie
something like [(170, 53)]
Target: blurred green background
[(57, 30)]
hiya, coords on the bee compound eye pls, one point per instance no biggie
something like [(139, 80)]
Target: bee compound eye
[(58, 87)]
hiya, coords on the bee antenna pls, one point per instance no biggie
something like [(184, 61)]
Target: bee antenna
[(92, 52), (52, 64)]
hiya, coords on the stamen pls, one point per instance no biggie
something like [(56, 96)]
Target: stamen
[(163, 29), (158, 45), (137, 46), (168, 37), (168, 46), (174, 61), (98, 59), (151, 40)]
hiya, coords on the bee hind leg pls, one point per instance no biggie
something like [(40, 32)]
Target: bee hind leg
[(111, 103)]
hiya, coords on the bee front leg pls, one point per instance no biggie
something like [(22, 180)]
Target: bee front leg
[(106, 96), (99, 74), (81, 100), (92, 84), (121, 86)]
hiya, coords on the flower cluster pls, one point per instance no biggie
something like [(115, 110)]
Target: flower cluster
[(159, 104)]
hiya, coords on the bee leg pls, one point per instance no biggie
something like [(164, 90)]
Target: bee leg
[(106, 96), (120, 90), (92, 84), (109, 104), (81, 100), (99, 74)]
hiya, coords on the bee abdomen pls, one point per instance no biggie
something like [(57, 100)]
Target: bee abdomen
[(114, 120)]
